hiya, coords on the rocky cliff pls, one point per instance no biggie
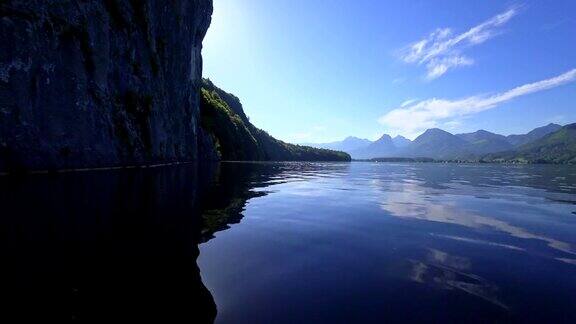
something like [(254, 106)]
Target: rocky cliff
[(94, 83)]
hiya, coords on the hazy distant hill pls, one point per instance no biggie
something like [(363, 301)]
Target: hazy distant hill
[(383, 147), (556, 147), (349, 144), (361, 148), (537, 133), (401, 141), (438, 144), (483, 142)]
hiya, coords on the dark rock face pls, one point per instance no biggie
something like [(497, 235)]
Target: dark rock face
[(99, 83)]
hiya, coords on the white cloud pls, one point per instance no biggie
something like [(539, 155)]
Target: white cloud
[(408, 102), (414, 118), (441, 50), (437, 67), (453, 124)]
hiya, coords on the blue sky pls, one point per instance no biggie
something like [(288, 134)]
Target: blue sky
[(321, 70)]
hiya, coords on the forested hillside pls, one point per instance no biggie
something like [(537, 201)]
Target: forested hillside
[(557, 147), (236, 139)]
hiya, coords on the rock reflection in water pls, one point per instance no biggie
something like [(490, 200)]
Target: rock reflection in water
[(104, 245)]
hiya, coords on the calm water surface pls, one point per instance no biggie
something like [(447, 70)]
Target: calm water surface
[(374, 242), (291, 243)]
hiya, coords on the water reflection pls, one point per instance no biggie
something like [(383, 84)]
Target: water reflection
[(293, 242), (406, 200), (235, 183), (104, 246), (445, 271), (367, 242)]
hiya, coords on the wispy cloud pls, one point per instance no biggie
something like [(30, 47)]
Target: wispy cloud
[(306, 135), (442, 49), (557, 119), (437, 67), (555, 24), (408, 102), (414, 118)]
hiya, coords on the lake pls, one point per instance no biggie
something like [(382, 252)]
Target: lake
[(293, 242), (384, 242)]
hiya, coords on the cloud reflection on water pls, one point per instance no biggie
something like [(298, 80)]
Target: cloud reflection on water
[(409, 200), (445, 271)]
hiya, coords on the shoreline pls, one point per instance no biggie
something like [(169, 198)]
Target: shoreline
[(158, 165)]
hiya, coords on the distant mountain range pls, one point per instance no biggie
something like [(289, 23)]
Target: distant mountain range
[(551, 143)]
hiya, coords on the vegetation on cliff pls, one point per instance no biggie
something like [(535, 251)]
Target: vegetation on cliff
[(236, 139)]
